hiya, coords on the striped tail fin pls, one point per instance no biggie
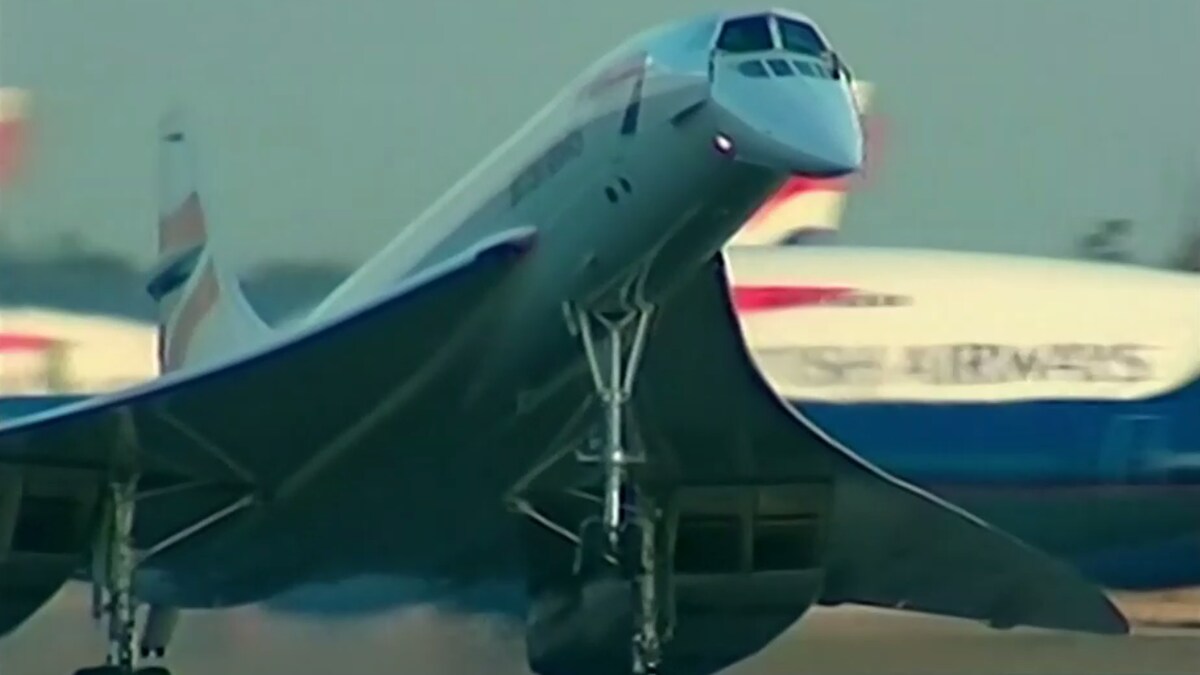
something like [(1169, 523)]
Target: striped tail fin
[(202, 311), (806, 205)]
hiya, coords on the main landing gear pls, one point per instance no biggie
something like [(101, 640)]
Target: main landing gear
[(114, 561), (627, 530)]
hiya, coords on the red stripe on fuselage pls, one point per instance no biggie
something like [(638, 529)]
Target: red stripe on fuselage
[(765, 298)]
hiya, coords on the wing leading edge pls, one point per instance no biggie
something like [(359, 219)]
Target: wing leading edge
[(283, 391), (256, 425), (888, 543)]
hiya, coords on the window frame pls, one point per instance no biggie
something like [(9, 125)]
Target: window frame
[(764, 71), (809, 24), (773, 62), (768, 17)]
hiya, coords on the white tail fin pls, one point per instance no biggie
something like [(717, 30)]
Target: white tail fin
[(804, 204), (202, 312)]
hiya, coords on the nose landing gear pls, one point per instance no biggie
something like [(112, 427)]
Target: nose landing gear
[(626, 532)]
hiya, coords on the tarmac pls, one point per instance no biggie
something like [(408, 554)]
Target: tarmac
[(845, 641)]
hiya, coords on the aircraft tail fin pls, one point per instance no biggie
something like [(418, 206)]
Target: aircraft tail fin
[(201, 308), (807, 206)]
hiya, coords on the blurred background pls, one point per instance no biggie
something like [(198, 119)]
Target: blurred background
[(1063, 128), (1060, 128), (1019, 126)]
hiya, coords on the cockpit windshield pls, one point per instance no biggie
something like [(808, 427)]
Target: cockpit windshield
[(801, 37), (746, 34), (765, 32), (778, 33)]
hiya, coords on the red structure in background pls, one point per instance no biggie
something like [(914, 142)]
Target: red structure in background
[(13, 132), (873, 135), (24, 342), (29, 363)]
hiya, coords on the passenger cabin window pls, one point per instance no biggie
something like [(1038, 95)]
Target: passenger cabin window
[(748, 34), (801, 38)]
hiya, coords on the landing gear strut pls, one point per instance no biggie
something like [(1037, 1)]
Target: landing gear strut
[(114, 563), (627, 530)]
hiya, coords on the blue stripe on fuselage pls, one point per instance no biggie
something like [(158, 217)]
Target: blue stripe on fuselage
[(1076, 477), (1049, 441)]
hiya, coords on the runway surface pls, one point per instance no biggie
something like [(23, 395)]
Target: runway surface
[(835, 642)]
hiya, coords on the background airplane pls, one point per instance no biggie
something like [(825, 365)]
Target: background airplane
[(1054, 396), (475, 382)]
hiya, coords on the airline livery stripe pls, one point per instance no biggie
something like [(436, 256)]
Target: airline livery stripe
[(183, 227), (195, 307), (174, 274), (764, 298)]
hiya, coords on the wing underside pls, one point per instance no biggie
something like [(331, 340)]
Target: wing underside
[(885, 543), (881, 542), (772, 516), (261, 424), (175, 423), (769, 515)]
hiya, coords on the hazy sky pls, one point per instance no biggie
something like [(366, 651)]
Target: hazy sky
[(327, 124)]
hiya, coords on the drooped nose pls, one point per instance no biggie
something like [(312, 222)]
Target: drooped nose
[(797, 123)]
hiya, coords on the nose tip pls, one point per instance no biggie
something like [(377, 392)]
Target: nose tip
[(829, 150), (800, 124)]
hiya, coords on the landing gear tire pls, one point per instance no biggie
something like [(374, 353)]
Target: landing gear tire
[(625, 533), (590, 560)]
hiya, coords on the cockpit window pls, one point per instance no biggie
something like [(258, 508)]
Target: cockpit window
[(801, 38), (812, 69), (780, 68), (752, 69), (748, 34)]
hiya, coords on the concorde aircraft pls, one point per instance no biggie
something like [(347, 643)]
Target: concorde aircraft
[(1014, 386), (518, 391)]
